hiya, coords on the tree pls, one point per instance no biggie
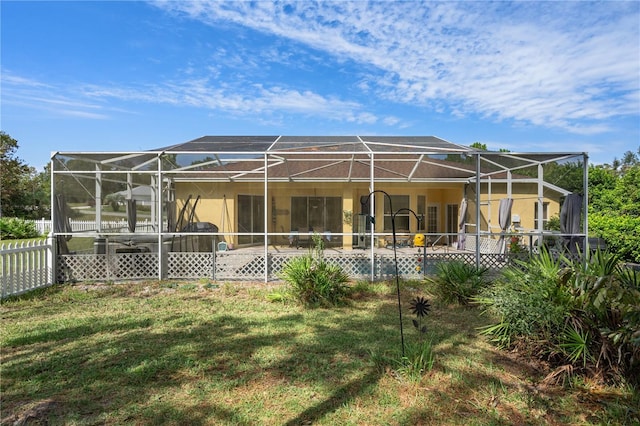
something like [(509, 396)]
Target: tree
[(569, 176), (478, 145), (614, 205), (12, 171), (23, 192)]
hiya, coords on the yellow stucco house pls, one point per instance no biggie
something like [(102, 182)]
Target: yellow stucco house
[(273, 192)]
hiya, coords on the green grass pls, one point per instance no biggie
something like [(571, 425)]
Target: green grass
[(204, 353)]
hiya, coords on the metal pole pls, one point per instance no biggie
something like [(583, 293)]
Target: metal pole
[(159, 217), (395, 259), (585, 186), (478, 211), (266, 219)]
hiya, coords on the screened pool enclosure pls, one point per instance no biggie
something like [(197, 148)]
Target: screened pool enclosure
[(238, 207)]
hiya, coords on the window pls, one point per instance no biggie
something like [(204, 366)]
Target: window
[(432, 218), (251, 218), (402, 218), (545, 215), (317, 213)]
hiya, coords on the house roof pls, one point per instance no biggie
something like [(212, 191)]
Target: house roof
[(142, 192), (272, 144), (317, 158)]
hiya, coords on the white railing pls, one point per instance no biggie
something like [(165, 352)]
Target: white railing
[(487, 245), (25, 266), (44, 225)]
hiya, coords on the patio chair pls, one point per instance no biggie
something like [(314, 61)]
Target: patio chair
[(304, 237)]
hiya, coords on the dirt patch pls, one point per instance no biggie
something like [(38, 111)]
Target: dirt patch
[(515, 364), (32, 414)]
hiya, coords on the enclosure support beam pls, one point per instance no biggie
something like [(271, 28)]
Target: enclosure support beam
[(266, 219), (540, 206), (98, 198), (159, 199), (585, 186), (478, 210), (372, 212)]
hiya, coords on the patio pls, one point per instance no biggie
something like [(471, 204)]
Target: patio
[(254, 264)]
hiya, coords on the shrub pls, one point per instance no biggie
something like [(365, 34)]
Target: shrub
[(583, 313), (620, 231), (529, 299), (457, 282), (115, 200), (12, 228), (313, 281)]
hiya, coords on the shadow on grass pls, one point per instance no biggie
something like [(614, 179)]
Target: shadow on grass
[(129, 366), (204, 358), (337, 399)]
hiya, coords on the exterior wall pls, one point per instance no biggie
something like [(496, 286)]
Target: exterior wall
[(524, 198), (439, 194), (218, 203), (282, 192)]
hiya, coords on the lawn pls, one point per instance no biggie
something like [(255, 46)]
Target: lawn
[(203, 353)]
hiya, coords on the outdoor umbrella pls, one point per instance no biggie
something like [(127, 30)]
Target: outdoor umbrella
[(462, 217), (570, 220), (504, 220), (171, 215), (131, 215), (61, 222)]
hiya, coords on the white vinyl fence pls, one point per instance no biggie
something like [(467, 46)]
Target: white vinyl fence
[(25, 266), (44, 225)]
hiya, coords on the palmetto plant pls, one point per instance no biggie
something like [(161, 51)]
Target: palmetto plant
[(576, 345), (457, 282), (608, 296)]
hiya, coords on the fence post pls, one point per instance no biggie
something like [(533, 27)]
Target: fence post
[(52, 258)]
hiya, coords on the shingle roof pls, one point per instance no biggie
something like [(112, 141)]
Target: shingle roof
[(374, 144)]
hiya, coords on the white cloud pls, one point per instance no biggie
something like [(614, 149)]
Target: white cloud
[(554, 64), (32, 94), (91, 100), (572, 66), (255, 99)]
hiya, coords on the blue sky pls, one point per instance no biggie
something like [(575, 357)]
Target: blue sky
[(524, 76)]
